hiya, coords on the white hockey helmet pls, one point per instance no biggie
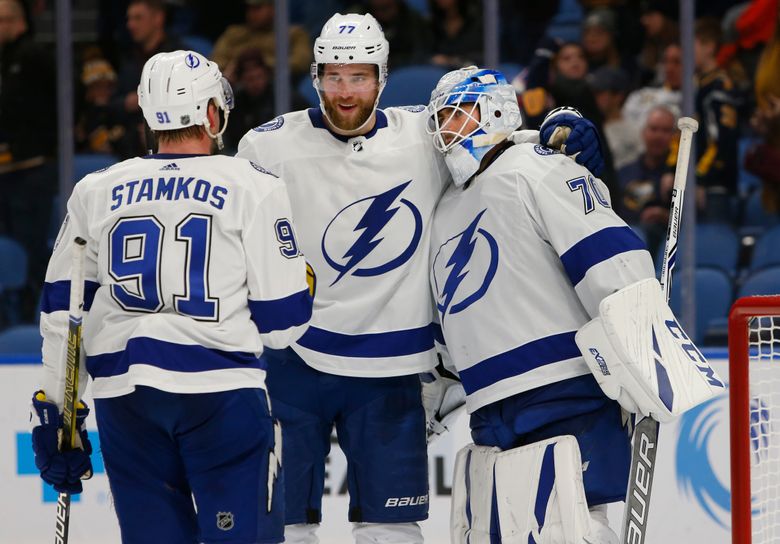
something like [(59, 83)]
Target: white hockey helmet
[(350, 39), (175, 90), (499, 116)]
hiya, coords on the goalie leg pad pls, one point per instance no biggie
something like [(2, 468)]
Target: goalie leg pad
[(529, 494), (642, 358)]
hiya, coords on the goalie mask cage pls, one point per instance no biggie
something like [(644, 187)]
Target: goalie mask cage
[(754, 396)]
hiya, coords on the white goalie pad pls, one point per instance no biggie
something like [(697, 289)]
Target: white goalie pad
[(532, 494), (642, 358)]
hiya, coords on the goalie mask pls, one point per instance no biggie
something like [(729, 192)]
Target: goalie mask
[(176, 88), (487, 106), (350, 39)]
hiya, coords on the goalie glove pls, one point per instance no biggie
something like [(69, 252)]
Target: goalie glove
[(62, 469), (565, 129), (642, 358), (443, 397)]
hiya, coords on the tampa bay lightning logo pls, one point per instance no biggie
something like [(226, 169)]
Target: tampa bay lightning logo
[(273, 124), (696, 468), (192, 61), (453, 264), (372, 216)]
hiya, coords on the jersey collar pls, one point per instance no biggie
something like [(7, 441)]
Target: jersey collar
[(318, 121), (166, 156)]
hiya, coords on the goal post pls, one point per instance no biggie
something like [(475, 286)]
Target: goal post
[(754, 396)]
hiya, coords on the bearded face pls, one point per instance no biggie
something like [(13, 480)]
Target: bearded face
[(348, 93)]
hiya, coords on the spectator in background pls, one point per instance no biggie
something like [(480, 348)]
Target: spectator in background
[(28, 172), (457, 34), (257, 32), (646, 184), (146, 24), (610, 86), (764, 159), (254, 97), (599, 41), (405, 30), (669, 94), (659, 20), (716, 109), (100, 128)]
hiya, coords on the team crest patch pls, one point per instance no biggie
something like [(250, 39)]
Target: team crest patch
[(273, 124), (417, 108), (225, 521), (261, 169), (544, 150)]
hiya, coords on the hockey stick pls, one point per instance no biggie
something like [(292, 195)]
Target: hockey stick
[(75, 309), (645, 436)]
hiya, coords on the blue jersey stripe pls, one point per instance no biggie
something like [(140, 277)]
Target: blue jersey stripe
[(380, 344), (169, 356), (437, 334), (517, 361), (56, 295), (599, 247), (282, 313)]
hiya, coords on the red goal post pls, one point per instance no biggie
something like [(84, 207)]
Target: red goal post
[(754, 396)]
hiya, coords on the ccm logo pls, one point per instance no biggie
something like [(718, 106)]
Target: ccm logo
[(600, 360), (394, 502)]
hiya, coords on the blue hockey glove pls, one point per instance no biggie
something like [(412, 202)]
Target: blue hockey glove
[(566, 129), (62, 469)]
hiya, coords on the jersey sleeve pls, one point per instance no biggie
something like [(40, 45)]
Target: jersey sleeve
[(279, 297), (600, 254), (55, 300)]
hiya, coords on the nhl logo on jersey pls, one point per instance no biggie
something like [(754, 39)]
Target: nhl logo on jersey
[(225, 521), (386, 219), (464, 267)]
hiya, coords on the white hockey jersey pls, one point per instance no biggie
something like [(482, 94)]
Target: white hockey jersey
[(363, 208), (192, 266), (520, 260)]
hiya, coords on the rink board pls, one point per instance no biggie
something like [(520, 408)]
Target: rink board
[(690, 497)]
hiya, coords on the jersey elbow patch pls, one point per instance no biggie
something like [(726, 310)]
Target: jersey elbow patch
[(283, 313), (56, 295), (598, 247)]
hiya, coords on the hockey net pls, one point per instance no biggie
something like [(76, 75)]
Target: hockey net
[(754, 391)]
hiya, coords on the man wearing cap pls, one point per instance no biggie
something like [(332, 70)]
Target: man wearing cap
[(257, 32)]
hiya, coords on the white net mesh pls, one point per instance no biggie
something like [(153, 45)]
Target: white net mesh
[(764, 429)]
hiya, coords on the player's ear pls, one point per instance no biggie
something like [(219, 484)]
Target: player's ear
[(212, 114)]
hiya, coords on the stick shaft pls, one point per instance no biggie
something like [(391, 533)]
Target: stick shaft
[(688, 126), (75, 312), (645, 435)]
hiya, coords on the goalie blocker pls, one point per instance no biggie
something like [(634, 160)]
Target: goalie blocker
[(641, 356)]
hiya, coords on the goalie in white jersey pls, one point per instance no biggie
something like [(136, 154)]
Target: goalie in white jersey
[(363, 184), (525, 251), (192, 268)]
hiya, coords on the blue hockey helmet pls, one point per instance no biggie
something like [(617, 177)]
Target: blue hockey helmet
[(465, 92)]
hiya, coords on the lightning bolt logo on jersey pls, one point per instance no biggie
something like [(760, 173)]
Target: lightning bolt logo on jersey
[(452, 265), (380, 213)]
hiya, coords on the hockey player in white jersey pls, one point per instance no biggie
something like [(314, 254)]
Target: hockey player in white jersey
[(525, 252), (363, 184), (192, 268)]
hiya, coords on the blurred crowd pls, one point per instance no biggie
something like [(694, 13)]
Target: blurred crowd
[(618, 61)]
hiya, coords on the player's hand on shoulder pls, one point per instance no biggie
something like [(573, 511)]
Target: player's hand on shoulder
[(62, 469), (565, 129)]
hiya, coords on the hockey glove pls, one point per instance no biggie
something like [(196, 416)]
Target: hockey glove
[(62, 469), (443, 397), (567, 130)]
